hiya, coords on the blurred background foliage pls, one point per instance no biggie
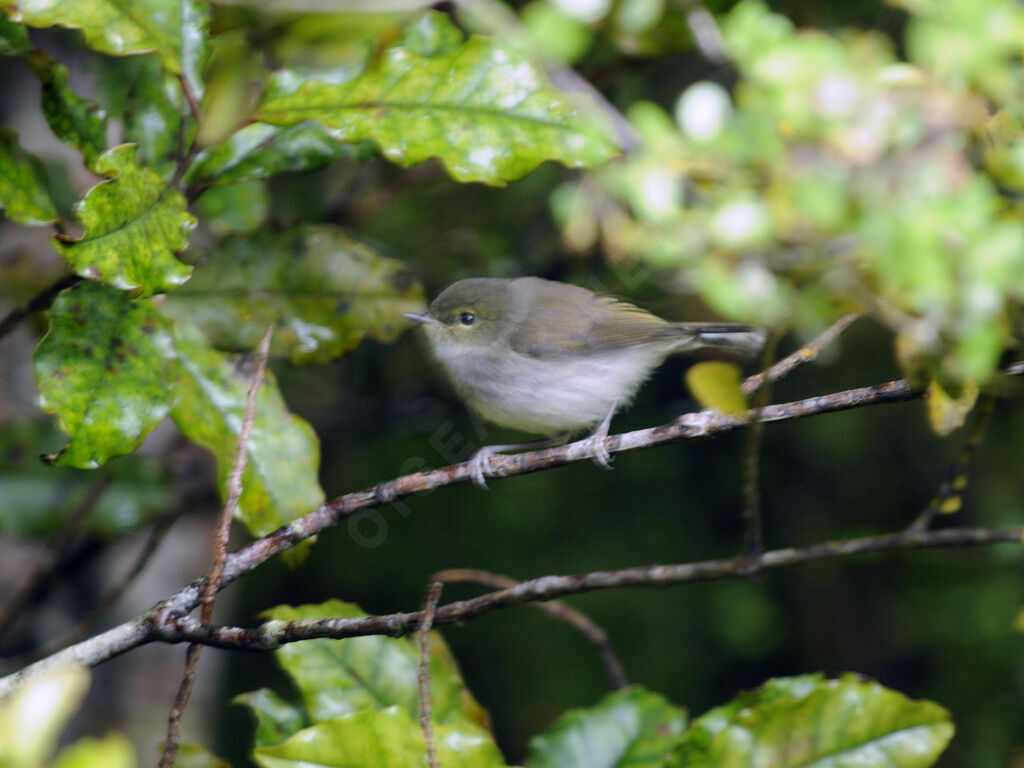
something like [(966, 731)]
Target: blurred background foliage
[(806, 161)]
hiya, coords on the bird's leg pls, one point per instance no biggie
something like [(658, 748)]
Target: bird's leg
[(480, 464), (595, 443)]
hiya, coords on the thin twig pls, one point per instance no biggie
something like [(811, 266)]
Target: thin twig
[(40, 301), (750, 463), (188, 681), (706, 34), (57, 548), (154, 624), (750, 466), (234, 485), (220, 549), (805, 354), (274, 634), (557, 610), (190, 97), (949, 497), (156, 535), (185, 156), (423, 677)]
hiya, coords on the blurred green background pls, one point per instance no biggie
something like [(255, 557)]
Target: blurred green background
[(936, 624)]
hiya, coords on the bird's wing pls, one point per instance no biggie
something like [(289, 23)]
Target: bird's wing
[(604, 323)]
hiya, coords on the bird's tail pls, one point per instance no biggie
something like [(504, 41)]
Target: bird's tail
[(729, 341)]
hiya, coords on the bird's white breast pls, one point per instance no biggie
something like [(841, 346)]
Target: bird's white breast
[(546, 395)]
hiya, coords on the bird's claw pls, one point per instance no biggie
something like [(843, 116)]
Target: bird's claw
[(599, 454), (480, 466)]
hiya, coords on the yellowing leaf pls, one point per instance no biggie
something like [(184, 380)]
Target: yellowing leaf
[(717, 385), (384, 738), (112, 751), (134, 224), (107, 370), (24, 196), (948, 413)]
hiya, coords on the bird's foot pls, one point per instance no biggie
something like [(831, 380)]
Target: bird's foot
[(595, 444), (480, 465)]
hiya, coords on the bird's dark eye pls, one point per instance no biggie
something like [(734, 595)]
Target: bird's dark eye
[(467, 318)]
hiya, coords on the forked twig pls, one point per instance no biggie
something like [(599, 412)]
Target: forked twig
[(579, 621), (805, 354)]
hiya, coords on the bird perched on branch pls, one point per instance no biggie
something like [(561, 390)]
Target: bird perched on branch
[(555, 359)]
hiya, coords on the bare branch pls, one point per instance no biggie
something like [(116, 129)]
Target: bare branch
[(40, 301), (274, 634), (557, 610), (706, 34)]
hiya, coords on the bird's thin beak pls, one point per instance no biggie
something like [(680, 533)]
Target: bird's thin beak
[(425, 319)]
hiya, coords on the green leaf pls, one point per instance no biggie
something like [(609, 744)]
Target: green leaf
[(338, 677), (152, 113), (259, 151), (234, 79), (706, 727), (74, 120), (172, 28), (432, 34), (24, 192), (717, 385), (633, 727), (32, 718), (111, 751), (322, 291), (106, 368), (276, 719), (386, 738), (280, 480), (842, 722), (133, 226), (230, 208), (192, 755), (487, 113), (553, 31), (945, 38), (13, 38)]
